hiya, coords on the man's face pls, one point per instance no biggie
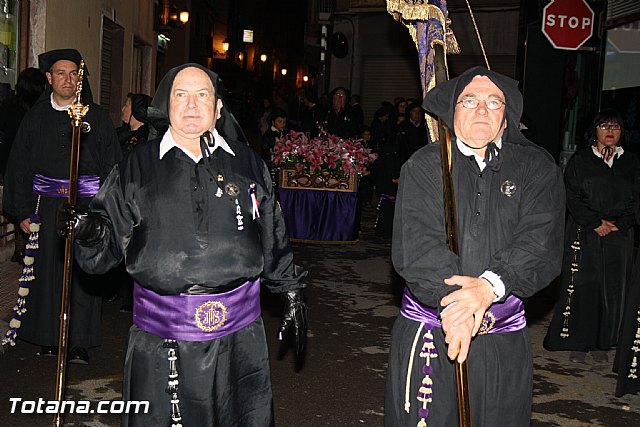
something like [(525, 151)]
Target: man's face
[(193, 108), (416, 115), (126, 111), (63, 77), (480, 125)]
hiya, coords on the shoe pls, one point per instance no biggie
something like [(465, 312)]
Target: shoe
[(79, 356), (49, 351), (18, 256), (600, 356), (577, 356)]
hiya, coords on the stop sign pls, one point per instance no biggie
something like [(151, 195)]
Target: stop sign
[(567, 23)]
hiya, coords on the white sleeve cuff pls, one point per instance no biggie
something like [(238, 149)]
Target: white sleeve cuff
[(497, 285)]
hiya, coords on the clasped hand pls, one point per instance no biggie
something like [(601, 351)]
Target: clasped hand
[(465, 308), (605, 228)]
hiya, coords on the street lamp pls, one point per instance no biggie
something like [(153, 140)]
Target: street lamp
[(305, 79), (184, 16), (283, 71), (225, 45), (263, 57)]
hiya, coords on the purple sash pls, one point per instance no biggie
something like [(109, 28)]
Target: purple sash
[(88, 186), (187, 317), (507, 316)]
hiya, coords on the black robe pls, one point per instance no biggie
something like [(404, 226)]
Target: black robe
[(518, 237), (43, 146), (628, 350), (595, 192), (164, 218)]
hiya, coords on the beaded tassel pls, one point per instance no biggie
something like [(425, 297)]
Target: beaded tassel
[(425, 393), (575, 246), (633, 371), (172, 383), (25, 279)]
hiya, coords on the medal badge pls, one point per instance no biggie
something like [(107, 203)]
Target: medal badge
[(508, 188)]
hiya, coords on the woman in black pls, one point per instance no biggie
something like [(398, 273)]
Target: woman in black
[(602, 183)]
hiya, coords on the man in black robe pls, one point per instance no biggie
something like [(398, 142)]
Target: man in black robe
[(510, 209), (193, 214), (35, 184)]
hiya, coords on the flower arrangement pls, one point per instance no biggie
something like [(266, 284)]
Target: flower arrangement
[(321, 154)]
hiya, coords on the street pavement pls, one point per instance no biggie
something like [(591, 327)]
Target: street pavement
[(353, 296)]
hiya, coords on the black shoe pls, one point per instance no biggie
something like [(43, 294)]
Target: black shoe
[(79, 356), (18, 256), (48, 351)]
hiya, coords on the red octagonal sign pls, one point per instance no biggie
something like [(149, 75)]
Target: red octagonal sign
[(567, 23)]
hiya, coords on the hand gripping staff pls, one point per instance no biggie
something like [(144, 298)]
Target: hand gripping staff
[(77, 113)]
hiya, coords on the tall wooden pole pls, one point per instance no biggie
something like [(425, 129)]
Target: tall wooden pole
[(451, 225), (77, 113)]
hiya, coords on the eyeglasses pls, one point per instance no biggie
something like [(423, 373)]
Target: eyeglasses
[(609, 126), (490, 103)]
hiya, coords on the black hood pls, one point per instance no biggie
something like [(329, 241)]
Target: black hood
[(139, 104), (46, 61), (158, 111), (441, 101)]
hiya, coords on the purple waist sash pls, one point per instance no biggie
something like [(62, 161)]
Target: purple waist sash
[(88, 186), (187, 317), (507, 316)]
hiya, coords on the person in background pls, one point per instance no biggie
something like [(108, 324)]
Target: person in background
[(276, 130), (357, 114), (412, 133), (399, 110), (509, 200), (37, 183), (193, 214), (313, 114), (603, 191), (265, 116), (29, 87), (339, 119), (134, 129)]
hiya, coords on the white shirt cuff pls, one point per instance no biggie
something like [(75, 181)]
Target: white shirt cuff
[(497, 285)]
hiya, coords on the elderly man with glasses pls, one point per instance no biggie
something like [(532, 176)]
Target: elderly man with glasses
[(510, 210)]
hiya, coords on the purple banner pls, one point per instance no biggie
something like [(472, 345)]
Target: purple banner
[(320, 215), (507, 316), (187, 317), (88, 186)]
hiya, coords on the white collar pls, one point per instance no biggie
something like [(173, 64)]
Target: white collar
[(58, 107), (617, 153), (469, 152), (168, 142)]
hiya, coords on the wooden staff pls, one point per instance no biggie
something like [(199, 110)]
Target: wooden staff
[(451, 225), (77, 113)]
